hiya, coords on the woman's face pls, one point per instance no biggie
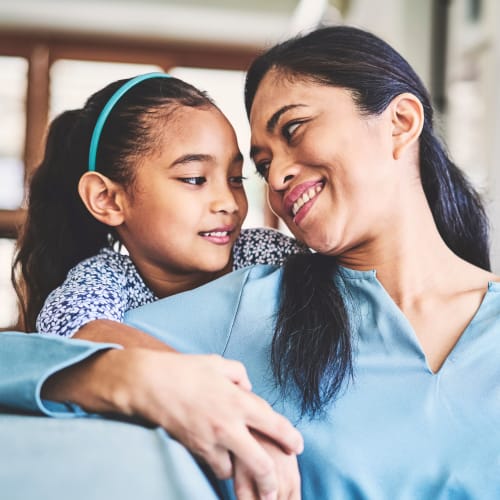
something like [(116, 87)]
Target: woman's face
[(329, 169)]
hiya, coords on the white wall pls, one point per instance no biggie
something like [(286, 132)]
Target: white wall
[(492, 124), (471, 125), (473, 118), (405, 24)]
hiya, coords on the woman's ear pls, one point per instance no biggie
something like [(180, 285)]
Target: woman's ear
[(103, 198), (407, 114)]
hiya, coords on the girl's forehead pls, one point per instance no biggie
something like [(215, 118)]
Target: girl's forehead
[(185, 117)]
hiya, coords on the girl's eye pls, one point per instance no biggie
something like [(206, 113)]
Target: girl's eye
[(263, 168), (195, 181), (237, 180), (289, 129)]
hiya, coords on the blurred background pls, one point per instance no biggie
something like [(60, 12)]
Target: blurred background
[(55, 53)]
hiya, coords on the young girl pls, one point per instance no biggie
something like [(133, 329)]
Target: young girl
[(151, 165)]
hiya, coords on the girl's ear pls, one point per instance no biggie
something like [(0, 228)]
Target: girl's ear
[(407, 116), (103, 198)]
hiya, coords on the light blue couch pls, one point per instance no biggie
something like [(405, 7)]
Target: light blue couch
[(79, 457)]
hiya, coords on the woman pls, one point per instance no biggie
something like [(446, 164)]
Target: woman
[(382, 344)]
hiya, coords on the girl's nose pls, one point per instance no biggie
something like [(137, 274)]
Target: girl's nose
[(224, 201)]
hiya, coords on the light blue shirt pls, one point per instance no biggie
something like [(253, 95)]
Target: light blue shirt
[(399, 431)]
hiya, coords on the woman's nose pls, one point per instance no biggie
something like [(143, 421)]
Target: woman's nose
[(281, 173)]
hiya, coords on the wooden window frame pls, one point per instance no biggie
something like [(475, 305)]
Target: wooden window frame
[(41, 50)]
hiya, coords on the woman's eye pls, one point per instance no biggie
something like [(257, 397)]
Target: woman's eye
[(262, 168), (195, 181), (289, 129), (237, 180)]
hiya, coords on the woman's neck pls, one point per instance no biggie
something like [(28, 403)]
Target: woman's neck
[(409, 255)]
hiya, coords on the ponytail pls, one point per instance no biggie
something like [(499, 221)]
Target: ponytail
[(311, 347), (59, 232), (457, 209)]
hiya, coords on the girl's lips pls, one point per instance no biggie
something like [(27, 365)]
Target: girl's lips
[(219, 236)]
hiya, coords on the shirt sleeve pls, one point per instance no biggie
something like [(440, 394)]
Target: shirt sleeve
[(92, 290), (264, 246), (28, 360)]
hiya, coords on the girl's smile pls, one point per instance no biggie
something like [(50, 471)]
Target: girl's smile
[(219, 236)]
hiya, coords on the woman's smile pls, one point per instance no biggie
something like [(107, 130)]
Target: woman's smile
[(301, 198)]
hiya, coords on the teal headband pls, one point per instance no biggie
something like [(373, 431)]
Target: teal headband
[(101, 120)]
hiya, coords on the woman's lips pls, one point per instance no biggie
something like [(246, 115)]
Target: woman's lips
[(306, 197), (298, 202)]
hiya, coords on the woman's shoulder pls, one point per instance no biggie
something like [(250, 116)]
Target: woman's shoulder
[(264, 246)]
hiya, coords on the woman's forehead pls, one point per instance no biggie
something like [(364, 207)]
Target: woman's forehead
[(275, 94)]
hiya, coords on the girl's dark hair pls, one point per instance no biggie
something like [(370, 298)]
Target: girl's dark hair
[(59, 231), (312, 342)]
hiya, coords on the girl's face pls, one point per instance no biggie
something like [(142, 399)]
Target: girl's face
[(187, 204), (328, 168)]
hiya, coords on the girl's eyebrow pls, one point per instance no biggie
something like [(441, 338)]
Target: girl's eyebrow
[(194, 157), (191, 157)]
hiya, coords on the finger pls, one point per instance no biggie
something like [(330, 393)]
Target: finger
[(234, 371), (257, 462), (219, 460), (286, 466), (265, 420), (244, 486)]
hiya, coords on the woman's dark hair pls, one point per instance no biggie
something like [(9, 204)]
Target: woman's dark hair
[(312, 345), (59, 231)]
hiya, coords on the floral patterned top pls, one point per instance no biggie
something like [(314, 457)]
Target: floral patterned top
[(108, 284)]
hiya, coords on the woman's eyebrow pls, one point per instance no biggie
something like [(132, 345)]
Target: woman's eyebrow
[(271, 123)]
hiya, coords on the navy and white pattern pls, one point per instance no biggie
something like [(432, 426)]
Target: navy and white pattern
[(108, 284)]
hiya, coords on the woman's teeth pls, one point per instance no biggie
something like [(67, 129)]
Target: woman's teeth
[(305, 197)]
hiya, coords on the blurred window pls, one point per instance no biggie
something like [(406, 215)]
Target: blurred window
[(13, 85), (72, 81), (8, 310)]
